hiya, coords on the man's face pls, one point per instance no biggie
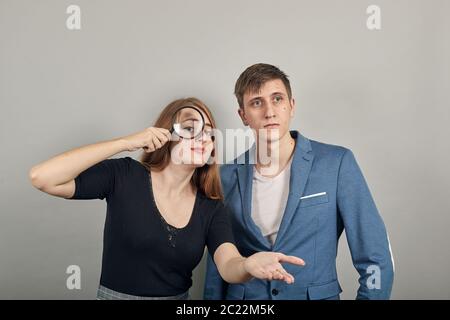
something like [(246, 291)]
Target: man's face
[(268, 109)]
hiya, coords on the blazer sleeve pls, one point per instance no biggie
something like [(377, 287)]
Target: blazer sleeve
[(365, 231), (215, 287)]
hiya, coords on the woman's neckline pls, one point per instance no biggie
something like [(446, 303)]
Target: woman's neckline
[(152, 195)]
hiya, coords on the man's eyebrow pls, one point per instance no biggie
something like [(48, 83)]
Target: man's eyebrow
[(278, 93), (255, 98), (272, 94)]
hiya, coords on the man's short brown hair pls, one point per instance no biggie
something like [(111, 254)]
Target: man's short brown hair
[(254, 77)]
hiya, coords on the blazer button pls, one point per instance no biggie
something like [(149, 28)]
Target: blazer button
[(274, 292)]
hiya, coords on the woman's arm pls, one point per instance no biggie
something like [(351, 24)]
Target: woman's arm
[(263, 265), (56, 175)]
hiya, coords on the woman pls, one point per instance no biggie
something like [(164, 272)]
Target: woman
[(161, 211)]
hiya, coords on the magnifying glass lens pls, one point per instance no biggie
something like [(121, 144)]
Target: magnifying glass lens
[(188, 123)]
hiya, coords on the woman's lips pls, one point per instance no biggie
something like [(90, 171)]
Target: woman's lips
[(199, 150)]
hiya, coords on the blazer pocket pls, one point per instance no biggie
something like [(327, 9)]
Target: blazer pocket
[(235, 292), (324, 291), (314, 199)]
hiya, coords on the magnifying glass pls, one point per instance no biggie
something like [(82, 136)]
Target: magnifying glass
[(188, 122)]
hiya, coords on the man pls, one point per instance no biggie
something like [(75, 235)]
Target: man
[(298, 204)]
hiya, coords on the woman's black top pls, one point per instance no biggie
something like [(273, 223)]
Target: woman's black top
[(142, 254)]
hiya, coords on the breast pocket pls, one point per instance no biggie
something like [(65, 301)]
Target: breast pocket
[(313, 199)]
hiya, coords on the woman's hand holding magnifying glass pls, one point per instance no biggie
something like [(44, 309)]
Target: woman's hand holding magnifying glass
[(149, 139), (187, 123)]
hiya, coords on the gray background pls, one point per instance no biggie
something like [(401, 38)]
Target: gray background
[(384, 94)]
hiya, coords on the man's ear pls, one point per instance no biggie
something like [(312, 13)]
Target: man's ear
[(292, 107), (241, 113)]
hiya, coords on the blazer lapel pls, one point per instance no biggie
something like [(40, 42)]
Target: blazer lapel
[(300, 170), (245, 179)]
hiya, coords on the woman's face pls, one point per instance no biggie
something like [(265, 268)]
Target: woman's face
[(196, 151)]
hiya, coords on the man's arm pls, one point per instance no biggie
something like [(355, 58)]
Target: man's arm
[(365, 231)]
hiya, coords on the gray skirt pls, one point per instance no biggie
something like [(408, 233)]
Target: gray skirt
[(104, 293)]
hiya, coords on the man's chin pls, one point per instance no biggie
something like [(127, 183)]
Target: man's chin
[(270, 135)]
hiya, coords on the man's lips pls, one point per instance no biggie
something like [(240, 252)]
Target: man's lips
[(271, 125)]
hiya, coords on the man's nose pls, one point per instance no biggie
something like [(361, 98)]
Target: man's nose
[(269, 111)]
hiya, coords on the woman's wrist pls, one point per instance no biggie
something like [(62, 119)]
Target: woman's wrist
[(122, 144), (245, 267)]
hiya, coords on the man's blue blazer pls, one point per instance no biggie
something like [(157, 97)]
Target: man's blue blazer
[(327, 194)]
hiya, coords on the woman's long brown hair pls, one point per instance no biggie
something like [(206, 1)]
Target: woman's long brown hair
[(205, 179)]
